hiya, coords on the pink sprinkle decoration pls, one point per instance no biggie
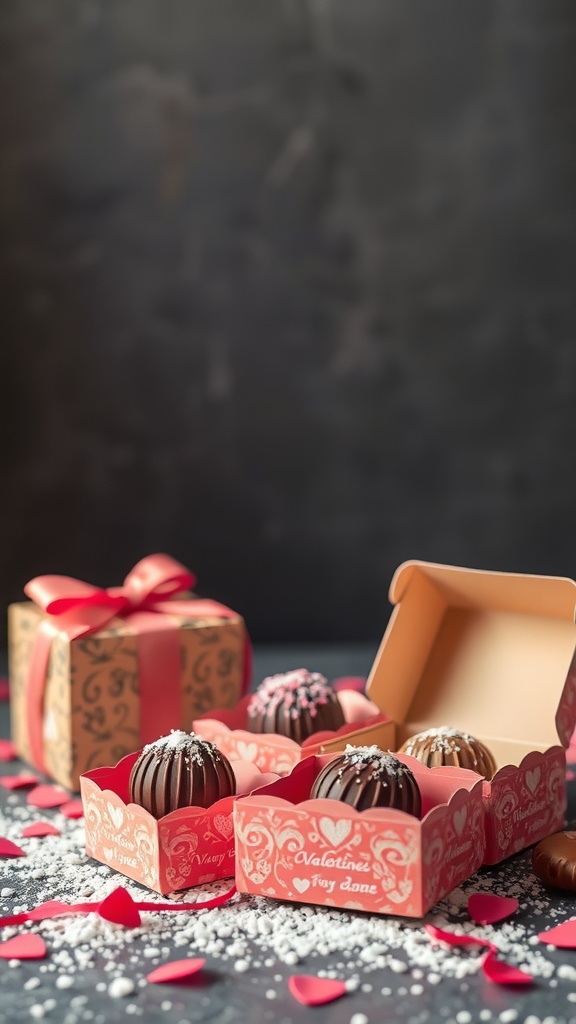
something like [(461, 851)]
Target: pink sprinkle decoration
[(177, 970), (484, 908), (119, 907), (47, 796), (7, 750), (312, 991), (72, 809), (502, 973), (18, 781), (39, 829), (9, 849), (23, 947), (563, 936)]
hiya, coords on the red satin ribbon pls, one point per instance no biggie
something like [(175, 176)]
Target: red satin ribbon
[(145, 600)]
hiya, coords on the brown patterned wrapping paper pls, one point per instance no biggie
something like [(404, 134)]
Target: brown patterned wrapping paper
[(92, 699)]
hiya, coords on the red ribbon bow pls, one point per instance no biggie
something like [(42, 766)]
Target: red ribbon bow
[(147, 600)]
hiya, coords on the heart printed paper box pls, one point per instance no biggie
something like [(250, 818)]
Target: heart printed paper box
[(228, 729), (190, 846), (382, 860), (491, 654)]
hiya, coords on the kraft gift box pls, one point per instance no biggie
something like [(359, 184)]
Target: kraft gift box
[(190, 846), (384, 861), (492, 654), (96, 673)]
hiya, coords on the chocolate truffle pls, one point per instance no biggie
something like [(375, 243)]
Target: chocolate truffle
[(554, 860), (180, 770), (367, 777), (295, 704), (445, 746)]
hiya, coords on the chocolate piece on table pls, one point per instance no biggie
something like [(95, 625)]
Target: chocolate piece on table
[(295, 704), (554, 860), (180, 770), (366, 777), (446, 746)]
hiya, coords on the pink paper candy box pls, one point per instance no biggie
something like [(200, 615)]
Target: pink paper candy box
[(190, 846), (491, 654), (228, 729), (383, 860)]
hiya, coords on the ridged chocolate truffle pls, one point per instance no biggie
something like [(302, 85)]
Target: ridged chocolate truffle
[(554, 860), (295, 704), (445, 746), (180, 770), (367, 777)]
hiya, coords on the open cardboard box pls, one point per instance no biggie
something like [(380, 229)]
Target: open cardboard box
[(493, 654), (382, 860), (190, 846), (228, 729)]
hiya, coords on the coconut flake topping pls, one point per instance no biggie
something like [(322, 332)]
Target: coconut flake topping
[(384, 763), (179, 742)]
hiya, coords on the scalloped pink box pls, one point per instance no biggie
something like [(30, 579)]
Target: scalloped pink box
[(491, 653), (190, 846), (382, 861), (274, 753)]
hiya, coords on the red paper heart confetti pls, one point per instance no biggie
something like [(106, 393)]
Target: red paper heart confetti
[(563, 936), (9, 849), (72, 809), (52, 908), (450, 939), (39, 829), (502, 973), (4, 688), (312, 991), (177, 970), (216, 901), (47, 796), (23, 947), (570, 775), (484, 908), (18, 781), (120, 908), (7, 750)]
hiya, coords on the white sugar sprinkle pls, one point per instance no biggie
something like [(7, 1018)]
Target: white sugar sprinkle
[(120, 987)]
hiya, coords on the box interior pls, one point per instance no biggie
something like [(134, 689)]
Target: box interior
[(488, 653)]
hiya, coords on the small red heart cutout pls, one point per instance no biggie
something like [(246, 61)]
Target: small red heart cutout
[(23, 947), (39, 829), (563, 936), (9, 849), (502, 973), (7, 750), (177, 970), (47, 796), (72, 809), (119, 908), (312, 991), (18, 781), (450, 939), (485, 908), (52, 908)]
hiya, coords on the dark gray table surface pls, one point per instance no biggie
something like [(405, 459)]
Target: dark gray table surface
[(260, 994)]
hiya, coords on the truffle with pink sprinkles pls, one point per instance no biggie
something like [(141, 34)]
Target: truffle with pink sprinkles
[(295, 704)]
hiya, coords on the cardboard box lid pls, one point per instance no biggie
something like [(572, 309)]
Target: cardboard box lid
[(486, 652)]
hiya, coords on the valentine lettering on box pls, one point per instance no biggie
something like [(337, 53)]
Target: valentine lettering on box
[(527, 804), (382, 861)]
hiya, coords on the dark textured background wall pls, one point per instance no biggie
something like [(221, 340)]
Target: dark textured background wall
[(288, 291)]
